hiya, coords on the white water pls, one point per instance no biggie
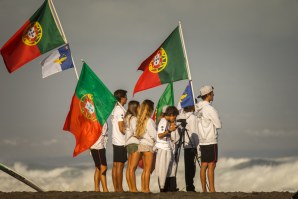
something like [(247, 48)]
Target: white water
[(245, 175)]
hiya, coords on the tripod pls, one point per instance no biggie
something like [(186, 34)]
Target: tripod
[(181, 142)]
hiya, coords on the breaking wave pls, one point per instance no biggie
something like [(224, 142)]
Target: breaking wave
[(232, 174)]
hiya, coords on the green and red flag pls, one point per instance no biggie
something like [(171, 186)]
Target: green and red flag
[(37, 36), (166, 99), (166, 64), (91, 105)]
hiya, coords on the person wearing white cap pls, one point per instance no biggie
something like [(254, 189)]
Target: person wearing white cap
[(208, 123)]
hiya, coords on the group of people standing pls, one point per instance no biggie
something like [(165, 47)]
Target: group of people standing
[(155, 145)]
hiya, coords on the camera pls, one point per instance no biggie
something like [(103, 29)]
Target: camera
[(182, 122)]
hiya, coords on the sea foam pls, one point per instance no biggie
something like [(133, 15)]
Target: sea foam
[(232, 174)]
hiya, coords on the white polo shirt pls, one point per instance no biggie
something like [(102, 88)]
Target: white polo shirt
[(117, 116)]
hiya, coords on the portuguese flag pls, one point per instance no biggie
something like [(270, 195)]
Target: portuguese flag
[(91, 105), (37, 36), (166, 99), (166, 64)]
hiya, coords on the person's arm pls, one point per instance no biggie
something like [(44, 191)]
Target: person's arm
[(193, 124), (121, 127), (162, 135), (194, 129), (151, 128), (161, 131), (119, 114), (213, 115), (171, 127)]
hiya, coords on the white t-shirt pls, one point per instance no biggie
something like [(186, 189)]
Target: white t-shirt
[(117, 116), (101, 143), (165, 142), (130, 129)]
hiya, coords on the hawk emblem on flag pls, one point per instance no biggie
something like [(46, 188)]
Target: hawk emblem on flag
[(183, 97), (61, 59)]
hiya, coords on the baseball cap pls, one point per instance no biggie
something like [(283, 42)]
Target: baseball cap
[(205, 90)]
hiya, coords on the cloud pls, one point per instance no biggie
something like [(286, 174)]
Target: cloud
[(9, 142), (267, 132), (16, 141), (49, 142)]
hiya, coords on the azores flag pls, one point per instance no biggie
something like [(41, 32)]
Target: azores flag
[(186, 98), (58, 61)]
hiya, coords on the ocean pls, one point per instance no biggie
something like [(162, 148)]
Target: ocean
[(232, 175)]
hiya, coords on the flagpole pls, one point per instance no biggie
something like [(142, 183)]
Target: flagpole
[(75, 68), (57, 20), (186, 59)]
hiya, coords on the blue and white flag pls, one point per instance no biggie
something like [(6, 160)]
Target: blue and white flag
[(186, 98), (57, 61)]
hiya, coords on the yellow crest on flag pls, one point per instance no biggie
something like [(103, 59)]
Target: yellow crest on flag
[(159, 61), (87, 107), (61, 60), (182, 97), (32, 34)]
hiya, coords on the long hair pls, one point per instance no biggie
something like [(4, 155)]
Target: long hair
[(144, 113), (131, 111)]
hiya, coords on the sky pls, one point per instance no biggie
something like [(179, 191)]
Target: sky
[(246, 49)]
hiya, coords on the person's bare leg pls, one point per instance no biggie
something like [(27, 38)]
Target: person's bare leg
[(103, 179), (96, 179), (135, 157), (203, 175), (148, 159), (119, 173), (114, 176), (143, 174), (128, 180), (211, 168)]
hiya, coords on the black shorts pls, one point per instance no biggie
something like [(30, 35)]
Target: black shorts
[(209, 153), (119, 153), (99, 157)]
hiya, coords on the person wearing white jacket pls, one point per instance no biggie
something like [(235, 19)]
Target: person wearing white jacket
[(208, 123), (191, 144)]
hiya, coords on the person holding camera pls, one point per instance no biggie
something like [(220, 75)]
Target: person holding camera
[(189, 130), (208, 123), (165, 166)]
